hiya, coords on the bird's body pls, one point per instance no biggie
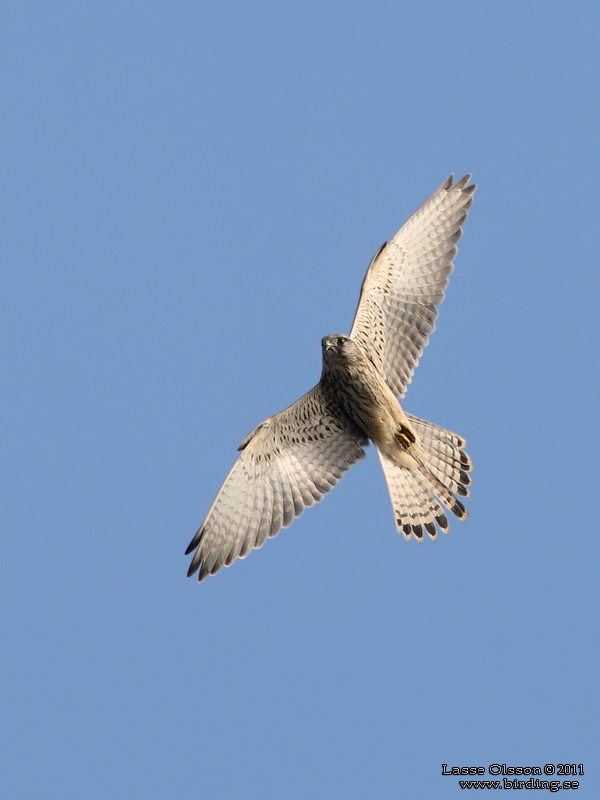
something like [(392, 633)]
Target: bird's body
[(291, 460), (354, 386)]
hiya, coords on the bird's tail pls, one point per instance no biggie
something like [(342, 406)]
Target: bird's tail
[(418, 494)]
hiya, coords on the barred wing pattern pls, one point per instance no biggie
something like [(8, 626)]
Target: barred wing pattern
[(288, 463), (406, 280)]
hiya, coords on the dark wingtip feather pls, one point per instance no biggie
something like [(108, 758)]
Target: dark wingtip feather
[(465, 478), (465, 461), (430, 528), (195, 563), (195, 541), (442, 521), (462, 182), (418, 531), (459, 510)]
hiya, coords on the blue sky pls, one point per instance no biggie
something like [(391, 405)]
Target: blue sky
[(191, 194)]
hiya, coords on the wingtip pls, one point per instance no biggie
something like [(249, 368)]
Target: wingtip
[(442, 521), (196, 540), (196, 561), (195, 566), (459, 510), (431, 530), (461, 184), (192, 569)]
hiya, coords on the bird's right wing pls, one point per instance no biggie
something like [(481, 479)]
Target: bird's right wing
[(405, 282), (288, 462)]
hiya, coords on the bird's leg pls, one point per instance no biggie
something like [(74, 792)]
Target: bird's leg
[(404, 436)]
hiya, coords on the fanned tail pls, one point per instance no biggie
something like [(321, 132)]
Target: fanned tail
[(418, 494)]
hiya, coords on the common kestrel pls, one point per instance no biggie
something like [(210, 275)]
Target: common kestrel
[(291, 460)]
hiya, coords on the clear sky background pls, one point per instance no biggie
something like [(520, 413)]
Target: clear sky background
[(191, 194)]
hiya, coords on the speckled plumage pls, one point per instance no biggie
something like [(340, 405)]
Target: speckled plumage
[(291, 460)]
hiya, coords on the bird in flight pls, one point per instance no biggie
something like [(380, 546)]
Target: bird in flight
[(291, 460)]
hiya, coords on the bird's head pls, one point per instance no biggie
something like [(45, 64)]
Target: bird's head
[(336, 348)]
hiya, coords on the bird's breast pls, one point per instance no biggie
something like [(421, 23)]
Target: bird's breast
[(361, 393)]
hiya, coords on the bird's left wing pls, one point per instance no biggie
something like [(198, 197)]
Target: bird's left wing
[(405, 282), (288, 462)]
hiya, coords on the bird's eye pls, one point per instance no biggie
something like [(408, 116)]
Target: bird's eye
[(340, 341)]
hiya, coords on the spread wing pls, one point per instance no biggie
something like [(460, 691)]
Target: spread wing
[(405, 282), (288, 462)]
